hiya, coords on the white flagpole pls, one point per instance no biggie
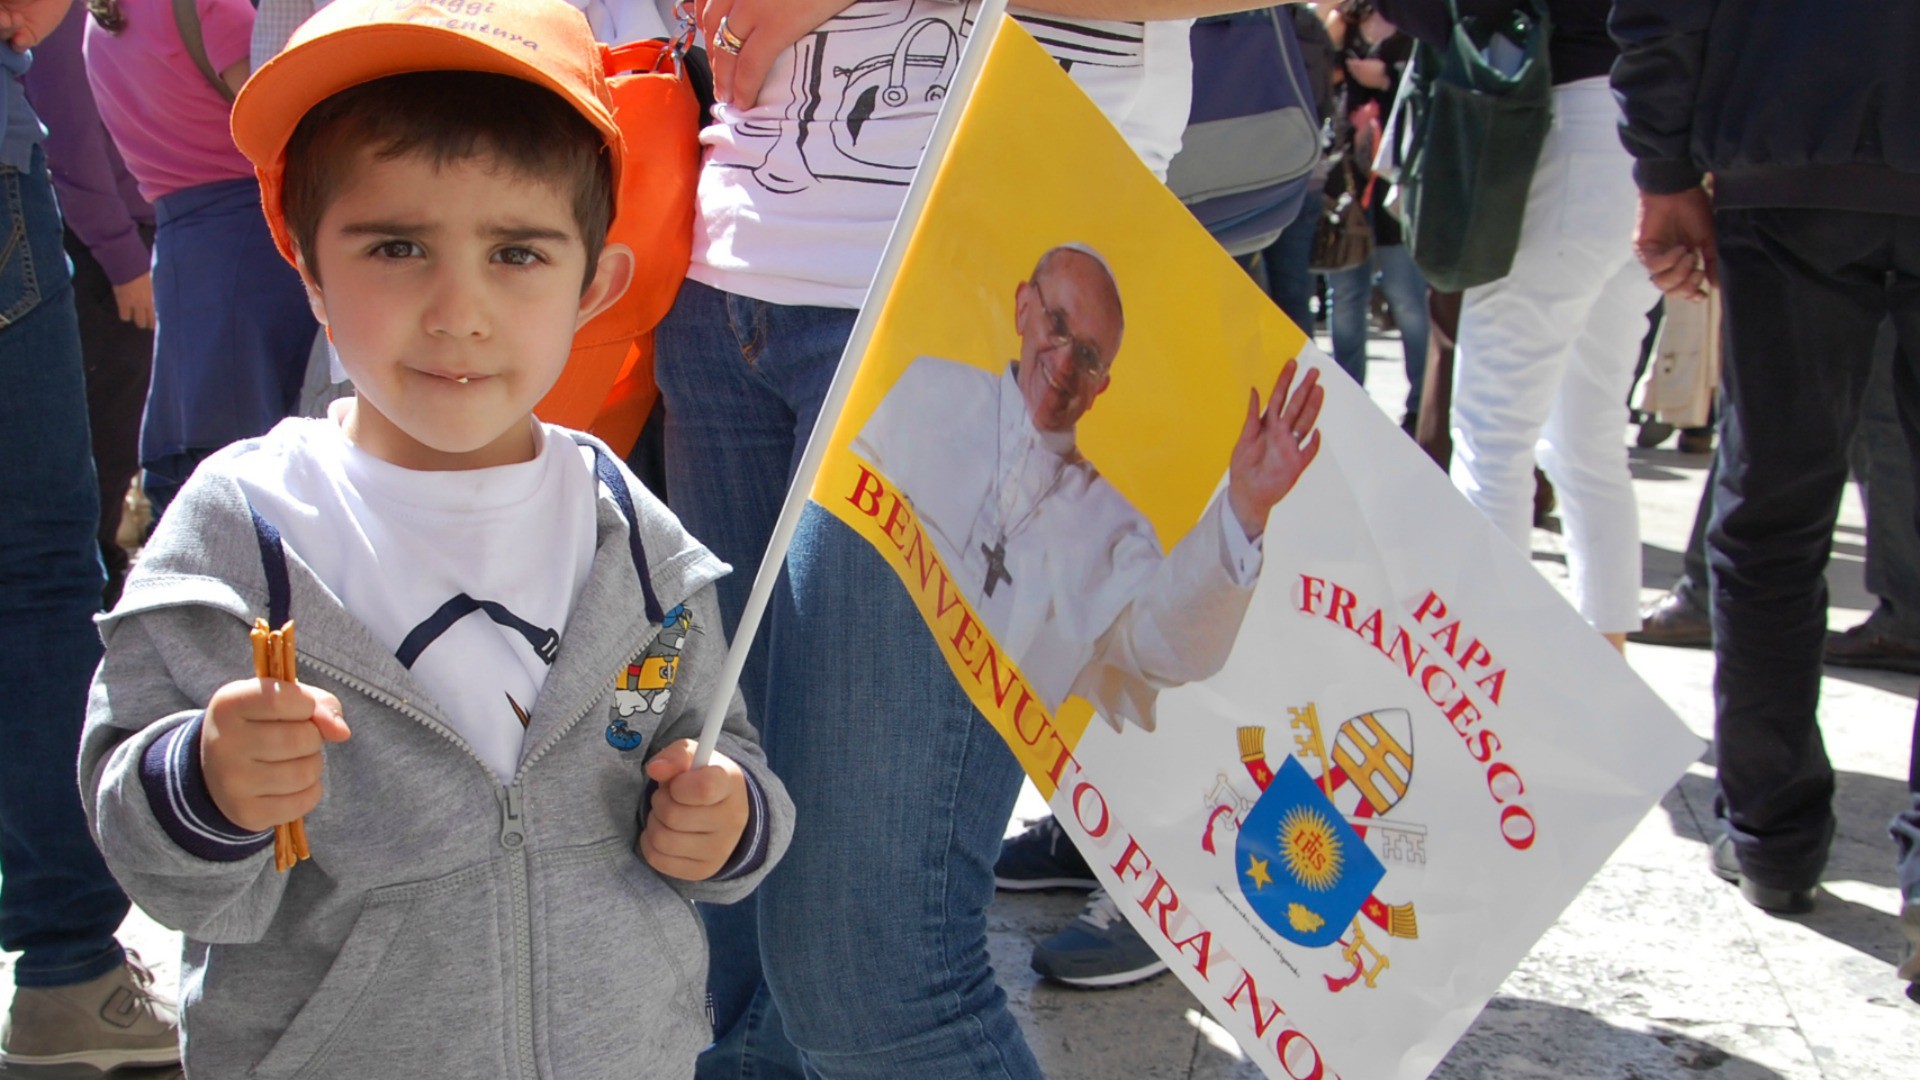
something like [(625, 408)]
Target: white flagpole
[(985, 28)]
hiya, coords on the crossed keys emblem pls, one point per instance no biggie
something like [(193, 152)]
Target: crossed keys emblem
[(1310, 741)]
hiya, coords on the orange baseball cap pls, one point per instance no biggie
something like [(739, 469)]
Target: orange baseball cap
[(349, 42)]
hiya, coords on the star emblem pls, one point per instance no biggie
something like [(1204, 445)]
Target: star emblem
[(1257, 870)]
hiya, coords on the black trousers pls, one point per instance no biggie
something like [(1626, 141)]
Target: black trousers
[(1805, 292), (118, 357)]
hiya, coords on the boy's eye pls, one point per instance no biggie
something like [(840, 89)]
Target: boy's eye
[(397, 249), (518, 256)]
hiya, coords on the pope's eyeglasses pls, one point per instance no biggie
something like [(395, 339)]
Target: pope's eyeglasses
[(1085, 355)]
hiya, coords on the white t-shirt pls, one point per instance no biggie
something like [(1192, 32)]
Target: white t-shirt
[(396, 546), (798, 194)]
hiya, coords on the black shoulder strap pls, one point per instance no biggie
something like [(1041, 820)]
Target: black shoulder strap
[(273, 560), (609, 473), (187, 17)]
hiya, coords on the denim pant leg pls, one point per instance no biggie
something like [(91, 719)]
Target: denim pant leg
[(1289, 282), (1406, 292), (59, 906), (1348, 292), (1805, 292), (874, 930), (742, 382), (740, 395)]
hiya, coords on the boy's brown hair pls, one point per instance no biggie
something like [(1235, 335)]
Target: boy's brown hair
[(447, 117)]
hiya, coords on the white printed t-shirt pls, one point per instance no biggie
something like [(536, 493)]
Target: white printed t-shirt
[(396, 546), (798, 194)]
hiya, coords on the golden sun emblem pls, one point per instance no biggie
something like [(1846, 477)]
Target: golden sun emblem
[(1311, 848)]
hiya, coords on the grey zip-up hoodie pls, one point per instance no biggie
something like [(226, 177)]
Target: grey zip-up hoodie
[(446, 926)]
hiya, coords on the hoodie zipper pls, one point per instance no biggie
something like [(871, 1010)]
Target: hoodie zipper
[(383, 697), (513, 838)]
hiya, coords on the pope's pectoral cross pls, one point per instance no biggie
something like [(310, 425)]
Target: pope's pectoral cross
[(996, 565)]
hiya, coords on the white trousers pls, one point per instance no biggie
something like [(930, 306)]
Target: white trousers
[(1545, 360)]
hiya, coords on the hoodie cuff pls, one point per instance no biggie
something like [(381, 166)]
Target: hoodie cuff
[(751, 852), (177, 792), (1666, 177)]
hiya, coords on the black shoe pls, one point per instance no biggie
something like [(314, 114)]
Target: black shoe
[(1675, 620), (1652, 434), (1544, 500), (1695, 441), (1042, 858), (1725, 864), (1865, 647)]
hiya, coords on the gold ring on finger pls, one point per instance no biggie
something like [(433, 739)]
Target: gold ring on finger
[(726, 40)]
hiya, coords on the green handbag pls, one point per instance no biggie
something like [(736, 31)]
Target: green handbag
[(1471, 124)]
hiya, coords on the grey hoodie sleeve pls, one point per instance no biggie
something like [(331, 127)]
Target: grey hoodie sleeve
[(773, 810), (171, 850)]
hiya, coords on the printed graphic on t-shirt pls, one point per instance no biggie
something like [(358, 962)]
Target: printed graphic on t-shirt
[(883, 63), (543, 641)]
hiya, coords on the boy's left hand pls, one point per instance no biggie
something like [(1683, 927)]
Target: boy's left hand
[(697, 815)]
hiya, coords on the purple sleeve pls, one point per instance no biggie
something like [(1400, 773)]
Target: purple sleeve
[(96, 195)]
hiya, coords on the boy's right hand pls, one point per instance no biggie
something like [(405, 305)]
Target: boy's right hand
[(260, 744)]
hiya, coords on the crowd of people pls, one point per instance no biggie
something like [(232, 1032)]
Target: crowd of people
[(437, 202)]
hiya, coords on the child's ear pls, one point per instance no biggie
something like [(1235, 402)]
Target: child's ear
[(611, 276), (315, 300)]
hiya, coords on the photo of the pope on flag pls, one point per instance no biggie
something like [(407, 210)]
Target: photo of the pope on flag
[(1355, 755), (1059, 567)]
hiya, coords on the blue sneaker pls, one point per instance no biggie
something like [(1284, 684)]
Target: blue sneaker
[(1099, 948), (1042, 857)]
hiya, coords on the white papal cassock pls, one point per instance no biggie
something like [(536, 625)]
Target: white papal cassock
[(1088, 605)]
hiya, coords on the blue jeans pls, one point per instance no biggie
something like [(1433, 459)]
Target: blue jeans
[(1406, 293), (1289, 282), (58, 905), (864, 954)]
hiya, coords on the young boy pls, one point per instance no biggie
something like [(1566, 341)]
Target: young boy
[(502, 641)]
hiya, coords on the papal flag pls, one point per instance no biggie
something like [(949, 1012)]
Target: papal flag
[(1333, 745)]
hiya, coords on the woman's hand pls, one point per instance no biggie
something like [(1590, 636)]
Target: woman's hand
[(1371, 74), (765, 29)]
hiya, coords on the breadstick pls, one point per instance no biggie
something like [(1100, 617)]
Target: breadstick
[(273, 653)]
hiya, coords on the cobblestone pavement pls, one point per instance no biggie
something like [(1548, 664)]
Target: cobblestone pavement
[(1657, 971)]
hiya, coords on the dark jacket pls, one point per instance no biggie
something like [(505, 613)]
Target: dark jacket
[(1788, 103)]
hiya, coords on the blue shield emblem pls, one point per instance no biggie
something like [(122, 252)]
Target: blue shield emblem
[(1301, 867)]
